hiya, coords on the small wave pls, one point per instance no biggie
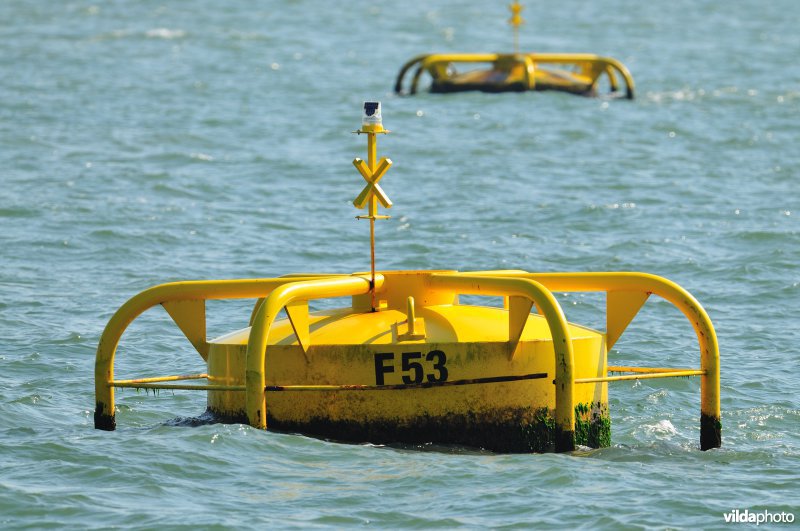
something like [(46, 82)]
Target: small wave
[(661, 429), (658, 397), (684, 94), (32, 399), (165, 33)]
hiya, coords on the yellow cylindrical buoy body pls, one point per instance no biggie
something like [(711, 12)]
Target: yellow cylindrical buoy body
[(451, 377)]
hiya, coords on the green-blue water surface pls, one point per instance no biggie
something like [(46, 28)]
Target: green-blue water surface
[(146, 142)]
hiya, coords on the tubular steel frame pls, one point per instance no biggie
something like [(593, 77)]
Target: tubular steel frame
[(276, 294)]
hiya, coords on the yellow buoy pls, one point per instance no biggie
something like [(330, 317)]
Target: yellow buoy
[(404, 361), (575, 73)]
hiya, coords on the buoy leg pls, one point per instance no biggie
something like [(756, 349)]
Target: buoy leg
[(256, 401), (104, 417), (565, 440), (710, 432), (103, 391), (710, 411)]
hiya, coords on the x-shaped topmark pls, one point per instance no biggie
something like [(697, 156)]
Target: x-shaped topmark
[(373, 189)]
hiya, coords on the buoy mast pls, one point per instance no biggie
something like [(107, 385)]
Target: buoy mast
[(372, 194), (516, 21)]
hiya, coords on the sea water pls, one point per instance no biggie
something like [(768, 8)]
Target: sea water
[(147, 142)]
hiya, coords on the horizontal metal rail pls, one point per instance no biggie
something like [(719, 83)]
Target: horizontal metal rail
[(185, 387), (642, 376), (174, 378), (618, 368), (155, 383)]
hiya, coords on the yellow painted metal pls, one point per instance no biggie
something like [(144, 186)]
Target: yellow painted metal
[(372, 128), (410, 315), (372, 172), (330, 367), (519, 309), (266, 314), (645, 376), (516, 21), (345, 344), (645, 370), (372, 190), (165, 293), (369, 197), (562, 344), (298, 316), (190, 316), (621, 308), (413, 328), (516, 16), (457, 364), (580, 72), (668, 290), (182, 387), (342, 344), (161, 379)]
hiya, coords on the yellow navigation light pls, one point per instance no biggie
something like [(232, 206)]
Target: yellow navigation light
[(371, 120)]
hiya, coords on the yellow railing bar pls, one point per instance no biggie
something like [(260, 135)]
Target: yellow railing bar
[(710, 427), (154, 383), (530, 72), (570, 58), (320, 288), (431, 60), (562, 344), (135, 306), (162, 379), (185, 387), (398, 84), (642, 376), (617, 368)]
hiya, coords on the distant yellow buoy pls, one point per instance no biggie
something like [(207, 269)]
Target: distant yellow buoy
[(516, 72)]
